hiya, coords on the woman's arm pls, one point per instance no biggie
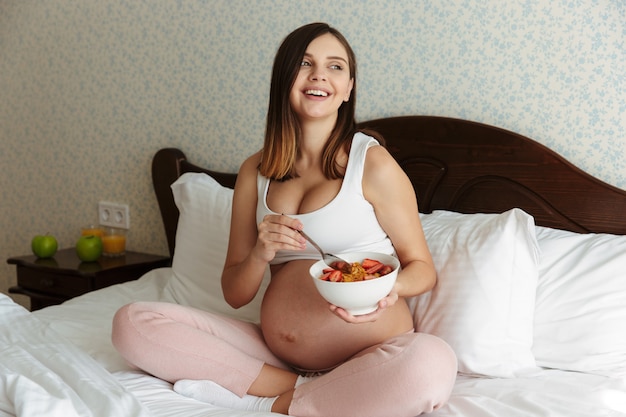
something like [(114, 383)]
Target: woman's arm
[(250, 248), (389, 190)]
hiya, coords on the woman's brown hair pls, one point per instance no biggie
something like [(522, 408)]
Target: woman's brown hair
[(283, 128)]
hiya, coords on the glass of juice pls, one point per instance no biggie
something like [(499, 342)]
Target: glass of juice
[(113, 241)]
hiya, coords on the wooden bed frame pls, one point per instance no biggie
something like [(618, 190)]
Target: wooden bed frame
[(461, 166)]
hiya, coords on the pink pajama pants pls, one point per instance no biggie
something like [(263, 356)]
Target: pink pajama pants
[(407, 375)]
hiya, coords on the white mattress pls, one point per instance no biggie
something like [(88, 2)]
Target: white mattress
[(86, 323)]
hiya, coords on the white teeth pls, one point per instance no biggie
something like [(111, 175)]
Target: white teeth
[(317, 93)]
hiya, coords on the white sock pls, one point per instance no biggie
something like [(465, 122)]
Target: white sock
[(304, 379), (210, 392)]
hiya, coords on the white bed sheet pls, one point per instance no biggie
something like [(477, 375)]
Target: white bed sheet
[(43, 374), (86, 321)]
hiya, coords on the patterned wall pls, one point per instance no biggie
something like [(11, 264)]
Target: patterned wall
[(90, 90)]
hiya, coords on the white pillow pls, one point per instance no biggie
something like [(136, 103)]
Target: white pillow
[(201, 244), (484, 299), (580, 316)]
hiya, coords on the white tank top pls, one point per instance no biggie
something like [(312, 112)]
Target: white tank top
[(346, 224)]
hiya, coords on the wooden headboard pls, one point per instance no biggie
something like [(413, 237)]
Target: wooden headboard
[(461, 166)]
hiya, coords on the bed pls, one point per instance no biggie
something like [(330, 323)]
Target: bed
[(530, 253)]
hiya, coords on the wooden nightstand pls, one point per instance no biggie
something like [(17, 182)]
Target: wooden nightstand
[(54, 280)]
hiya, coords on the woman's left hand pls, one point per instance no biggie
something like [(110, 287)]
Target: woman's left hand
[(388, 301)]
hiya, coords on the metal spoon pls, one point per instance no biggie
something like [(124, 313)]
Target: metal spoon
[(343, 265)]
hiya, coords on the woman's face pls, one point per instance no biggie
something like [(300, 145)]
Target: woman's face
[(323, 82)]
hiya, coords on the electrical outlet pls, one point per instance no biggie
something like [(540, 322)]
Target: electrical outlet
[(114, 214)]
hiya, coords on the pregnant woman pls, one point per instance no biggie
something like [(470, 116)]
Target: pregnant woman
[(315, 172)]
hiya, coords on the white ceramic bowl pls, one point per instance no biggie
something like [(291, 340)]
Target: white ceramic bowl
[(359, 297)]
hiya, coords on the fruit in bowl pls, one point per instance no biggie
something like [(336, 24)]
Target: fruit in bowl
[(361, 296)]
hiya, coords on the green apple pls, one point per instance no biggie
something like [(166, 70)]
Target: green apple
[(89, 248), (44, 246)]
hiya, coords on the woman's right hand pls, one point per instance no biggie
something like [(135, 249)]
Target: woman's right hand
[(278, 232), (252, 246)]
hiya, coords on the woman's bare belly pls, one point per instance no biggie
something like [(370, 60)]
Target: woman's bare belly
[(300, 329)]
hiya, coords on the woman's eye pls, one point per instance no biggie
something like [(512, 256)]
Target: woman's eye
[(305, 64), (336, 67)]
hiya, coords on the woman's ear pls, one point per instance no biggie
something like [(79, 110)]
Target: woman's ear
[(347, 97)]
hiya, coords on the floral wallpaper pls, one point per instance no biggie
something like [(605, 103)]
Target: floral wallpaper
[(90, 90)]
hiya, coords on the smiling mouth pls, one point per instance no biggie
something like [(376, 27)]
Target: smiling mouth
[(316, 93)]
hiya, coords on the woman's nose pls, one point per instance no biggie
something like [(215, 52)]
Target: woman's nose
[(318, 75)]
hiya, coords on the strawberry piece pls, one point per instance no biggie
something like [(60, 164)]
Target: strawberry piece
[(385, 270), (335, 276), (341, 266), (325, 276), (375, 268), (368, 263)]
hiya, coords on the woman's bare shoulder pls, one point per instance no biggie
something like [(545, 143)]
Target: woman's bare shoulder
[(250, 165), (383, 176), (379, 161)]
